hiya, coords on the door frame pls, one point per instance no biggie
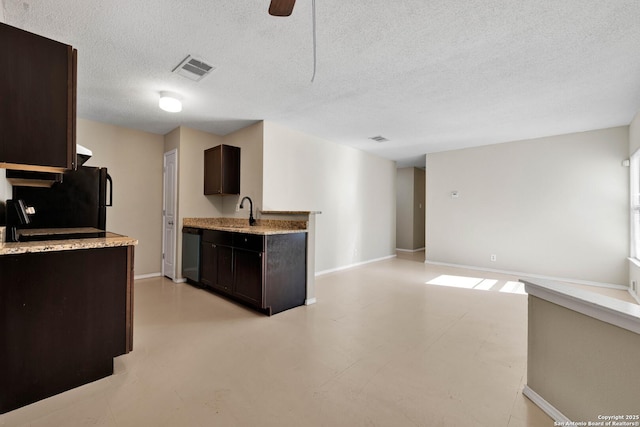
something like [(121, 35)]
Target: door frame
[(174, 236)]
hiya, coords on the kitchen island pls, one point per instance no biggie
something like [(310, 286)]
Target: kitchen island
[(66, 310), (262, 266)]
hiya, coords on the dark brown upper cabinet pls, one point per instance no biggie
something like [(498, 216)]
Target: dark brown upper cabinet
[(37, 102), (222, 170)]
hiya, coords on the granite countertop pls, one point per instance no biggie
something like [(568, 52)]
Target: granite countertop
[(241, 225), (110, 240)]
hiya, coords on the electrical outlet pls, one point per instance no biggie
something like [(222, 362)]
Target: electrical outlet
[(493, 257), (238, 207)]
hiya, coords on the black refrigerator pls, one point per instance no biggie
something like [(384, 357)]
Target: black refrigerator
[(79, 200)]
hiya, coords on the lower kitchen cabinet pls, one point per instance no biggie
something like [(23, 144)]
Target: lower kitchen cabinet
[(64, 316), (216, 262), (223, 259), (266, 272)]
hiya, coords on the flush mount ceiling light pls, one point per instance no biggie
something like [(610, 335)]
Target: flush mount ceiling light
[(170, 102)]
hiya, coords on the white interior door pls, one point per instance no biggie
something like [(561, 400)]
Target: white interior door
[(169, 214)]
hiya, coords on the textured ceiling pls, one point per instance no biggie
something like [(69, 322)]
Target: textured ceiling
[(428, 75)]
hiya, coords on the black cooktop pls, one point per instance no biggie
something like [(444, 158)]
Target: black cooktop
[(62, 234)]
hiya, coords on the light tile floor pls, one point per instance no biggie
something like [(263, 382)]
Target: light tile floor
[(380, 348)]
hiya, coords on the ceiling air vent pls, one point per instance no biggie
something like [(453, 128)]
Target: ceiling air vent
[(379, 138), (193, 69)]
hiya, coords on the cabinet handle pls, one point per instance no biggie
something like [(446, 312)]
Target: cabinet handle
[(213, 246), (245, 240)]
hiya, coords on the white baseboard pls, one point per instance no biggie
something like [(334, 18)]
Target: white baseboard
[(152, 275), (409, 250), (358, 264), (548, 408), (309, 301), (146, 276), (533, 276)]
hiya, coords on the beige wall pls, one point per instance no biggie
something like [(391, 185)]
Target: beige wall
[(191, 199), (404, 208), (419, 208), (249, 140), (555, 206), (285, 170), (134, 161), (354, 190), (410, 210), (192, 202)]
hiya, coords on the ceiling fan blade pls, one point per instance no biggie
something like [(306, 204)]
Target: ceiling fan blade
[(281, 7)]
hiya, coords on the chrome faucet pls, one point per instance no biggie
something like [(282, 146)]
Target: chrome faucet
[(252, 221)]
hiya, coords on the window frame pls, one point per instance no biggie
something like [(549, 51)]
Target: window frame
[(634, 205)]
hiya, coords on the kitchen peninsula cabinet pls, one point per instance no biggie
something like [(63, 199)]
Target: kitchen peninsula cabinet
[(248, 266), (64, 315), (266, 272), (37, 102), (222, 170)]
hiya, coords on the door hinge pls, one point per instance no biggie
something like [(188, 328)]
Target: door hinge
[(162, 256)]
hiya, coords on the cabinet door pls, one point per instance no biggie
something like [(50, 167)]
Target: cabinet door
[(216, 267), (37, 101), (249, 276), (208, 264), (62, 325), (224, 269), (212, 172), (230, 170), (222, 170)]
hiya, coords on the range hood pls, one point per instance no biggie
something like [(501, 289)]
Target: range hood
[(23, 178), (82, 154)]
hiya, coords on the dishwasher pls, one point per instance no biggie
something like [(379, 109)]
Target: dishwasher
[(191, 254)]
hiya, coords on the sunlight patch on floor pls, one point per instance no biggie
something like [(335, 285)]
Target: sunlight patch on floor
[(514, 288), (478, 283)]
